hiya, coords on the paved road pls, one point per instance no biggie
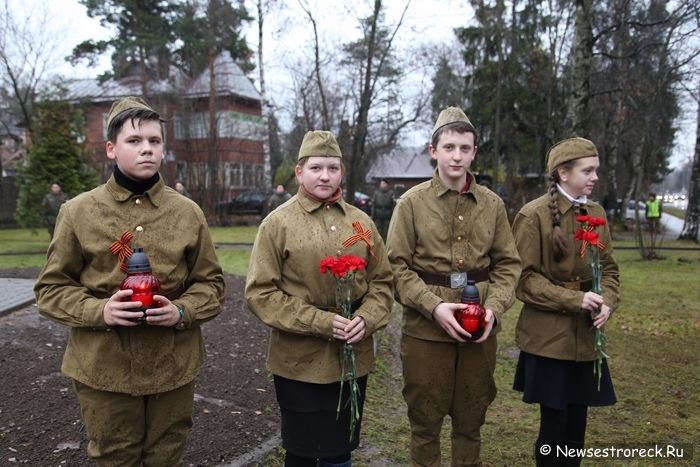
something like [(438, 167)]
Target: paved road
[(15, 294)]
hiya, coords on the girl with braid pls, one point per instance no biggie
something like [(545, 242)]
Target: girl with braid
[(554, 330)]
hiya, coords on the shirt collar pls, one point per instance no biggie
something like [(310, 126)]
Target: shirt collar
[(310, 204), (580, 201), (121, 194), (441, 188)]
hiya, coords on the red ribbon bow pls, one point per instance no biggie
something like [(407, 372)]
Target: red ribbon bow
[(122, 249), (361, 235), (585, 242)]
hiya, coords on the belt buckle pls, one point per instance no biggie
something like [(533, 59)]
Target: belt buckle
[(572, 285), (458, 280)]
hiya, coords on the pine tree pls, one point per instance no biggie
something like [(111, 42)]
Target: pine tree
[(57, 153)]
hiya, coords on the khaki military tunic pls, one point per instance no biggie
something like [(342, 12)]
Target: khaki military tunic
[(552, 323), (284, 284), (174, 235), (438, 230)]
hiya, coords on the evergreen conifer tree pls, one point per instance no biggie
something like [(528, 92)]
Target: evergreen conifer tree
[(57, 153)]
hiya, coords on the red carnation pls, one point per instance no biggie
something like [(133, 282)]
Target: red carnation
[(591, 237), (596, 221)]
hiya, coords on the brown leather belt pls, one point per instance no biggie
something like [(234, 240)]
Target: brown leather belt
[(172, 295), (455, 280), (353, 307), (583, 286)]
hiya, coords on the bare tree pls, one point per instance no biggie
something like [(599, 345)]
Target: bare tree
[(363, 99), (30, 46), (691, 227), (583, 52)]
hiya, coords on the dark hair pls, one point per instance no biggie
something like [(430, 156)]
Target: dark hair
[(458, 127), (558, 238), (136, 113)]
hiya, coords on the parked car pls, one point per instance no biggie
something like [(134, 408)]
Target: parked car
[(629, 219), (362, 201), (247, 202)]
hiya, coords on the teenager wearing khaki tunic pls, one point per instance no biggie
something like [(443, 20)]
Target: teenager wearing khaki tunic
[(554, 330), (134, 379), (286, 290), (440, 230)]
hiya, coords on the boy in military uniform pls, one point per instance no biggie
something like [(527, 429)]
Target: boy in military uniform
[(382, 207), (443, 232), (50, 205), (134, 379)]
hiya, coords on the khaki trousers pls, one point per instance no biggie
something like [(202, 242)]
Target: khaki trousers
[(445, 378), (126, 431)]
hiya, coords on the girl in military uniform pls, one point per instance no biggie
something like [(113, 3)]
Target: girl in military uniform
[(285, 290), (554, 330)]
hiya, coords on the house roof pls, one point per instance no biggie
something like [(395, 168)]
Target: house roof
[(402, 163), (230, 80)]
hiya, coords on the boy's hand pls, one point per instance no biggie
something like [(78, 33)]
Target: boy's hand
[(489, 318), (444, 314), (115, 312), (167, 315)]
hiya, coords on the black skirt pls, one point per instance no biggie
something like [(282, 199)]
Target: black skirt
[(557, 383), (309, 425)]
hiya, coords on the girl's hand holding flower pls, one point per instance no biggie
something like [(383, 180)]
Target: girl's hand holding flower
[(601, 318), (591, 301)]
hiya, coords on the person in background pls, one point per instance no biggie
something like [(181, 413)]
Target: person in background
[(286, 291), (383, 203), (50, 206), (180, 188), (278, 198), (134, 380), (554, 329), (444, 232), (653, 212)]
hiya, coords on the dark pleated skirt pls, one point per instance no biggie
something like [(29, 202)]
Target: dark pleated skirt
[(557, 383), (309, 425)]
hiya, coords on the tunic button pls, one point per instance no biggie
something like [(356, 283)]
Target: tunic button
[(328, 206), (139, 229), (339, 253), (460, 262), (578, 278), (459, 239), (138, 201), (333, 228), (460, 218)]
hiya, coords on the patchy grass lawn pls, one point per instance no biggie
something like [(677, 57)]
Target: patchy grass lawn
[(23, 248), (653, 342), (652, 339)]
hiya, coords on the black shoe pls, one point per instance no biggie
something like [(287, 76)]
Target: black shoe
[(546, 455), (571, 461)]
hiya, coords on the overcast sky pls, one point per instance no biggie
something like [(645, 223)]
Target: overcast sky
[(287, 32)]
